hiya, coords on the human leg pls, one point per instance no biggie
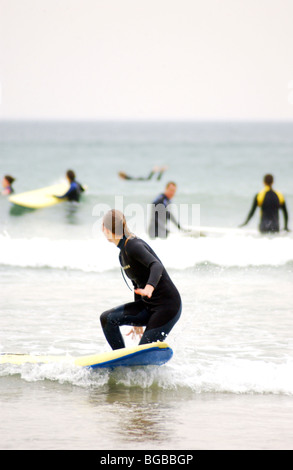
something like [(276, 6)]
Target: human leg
[(155, 331), (133, 313)]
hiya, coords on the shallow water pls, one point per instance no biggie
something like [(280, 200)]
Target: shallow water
[(230, 381)]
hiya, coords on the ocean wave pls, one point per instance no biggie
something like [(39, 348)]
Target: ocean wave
[(226, 375), (177, 252)]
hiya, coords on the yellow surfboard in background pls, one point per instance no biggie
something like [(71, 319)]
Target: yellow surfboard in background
[(40, 198)]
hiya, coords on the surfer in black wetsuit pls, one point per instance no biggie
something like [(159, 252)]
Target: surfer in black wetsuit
[(75, 190), (155, 170), (270, 202), (157, 302), (161, 214)]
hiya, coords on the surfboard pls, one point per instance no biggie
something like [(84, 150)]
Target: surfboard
[(144, 355), (205, 231), (40, 198)]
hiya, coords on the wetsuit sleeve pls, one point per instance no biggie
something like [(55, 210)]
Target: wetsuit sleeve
[(285, 212), (67, 194), (252, 210), (175, 222), (140, 253), (160, 200)]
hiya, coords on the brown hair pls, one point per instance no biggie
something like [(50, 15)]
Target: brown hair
[(9, 178), (71, 175), (115, 221), (268, 180), (171, 183)]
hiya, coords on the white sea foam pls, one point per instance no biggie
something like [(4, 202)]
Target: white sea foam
[(177, 252), (226, 375)]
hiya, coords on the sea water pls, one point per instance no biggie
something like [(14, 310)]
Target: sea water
[(229, 384)]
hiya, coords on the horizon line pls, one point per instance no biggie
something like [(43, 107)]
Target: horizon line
[(145, 120)]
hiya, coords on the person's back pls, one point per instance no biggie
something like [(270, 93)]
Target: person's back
[(270, 202), (74, 191)]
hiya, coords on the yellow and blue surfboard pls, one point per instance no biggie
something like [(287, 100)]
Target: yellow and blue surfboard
[(147, 354)]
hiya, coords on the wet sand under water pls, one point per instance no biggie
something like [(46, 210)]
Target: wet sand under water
[(58, 416)]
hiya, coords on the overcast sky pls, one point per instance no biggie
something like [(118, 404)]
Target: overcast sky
[(146, 59)]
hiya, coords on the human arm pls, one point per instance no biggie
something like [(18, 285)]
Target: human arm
[(286, 217), (251, 213), (175, 221), (146, 292), (141, 253), (67, 194)]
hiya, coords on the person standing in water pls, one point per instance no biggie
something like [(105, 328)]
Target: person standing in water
[(161, 214), (7, 185), (157, 302), (75, 190), (270, 202)]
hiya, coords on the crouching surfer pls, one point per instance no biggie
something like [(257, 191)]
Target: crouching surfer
[(157, 302)]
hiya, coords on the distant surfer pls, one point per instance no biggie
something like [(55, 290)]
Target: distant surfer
[(161, 214), (157, 302), (158, 170), (270, 202), (7, 185), (75, 190)]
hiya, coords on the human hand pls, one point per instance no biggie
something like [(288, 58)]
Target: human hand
[(146, 292), (136, 331)]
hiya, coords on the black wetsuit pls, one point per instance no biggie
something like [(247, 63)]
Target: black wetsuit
[(141, 178), (159, 313), (270, 202), (73, 193), (161, 217)]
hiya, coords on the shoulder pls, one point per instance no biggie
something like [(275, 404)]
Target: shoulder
[(261, 195), (160, 199), (133, 244), (280, 196), (136, 246)]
